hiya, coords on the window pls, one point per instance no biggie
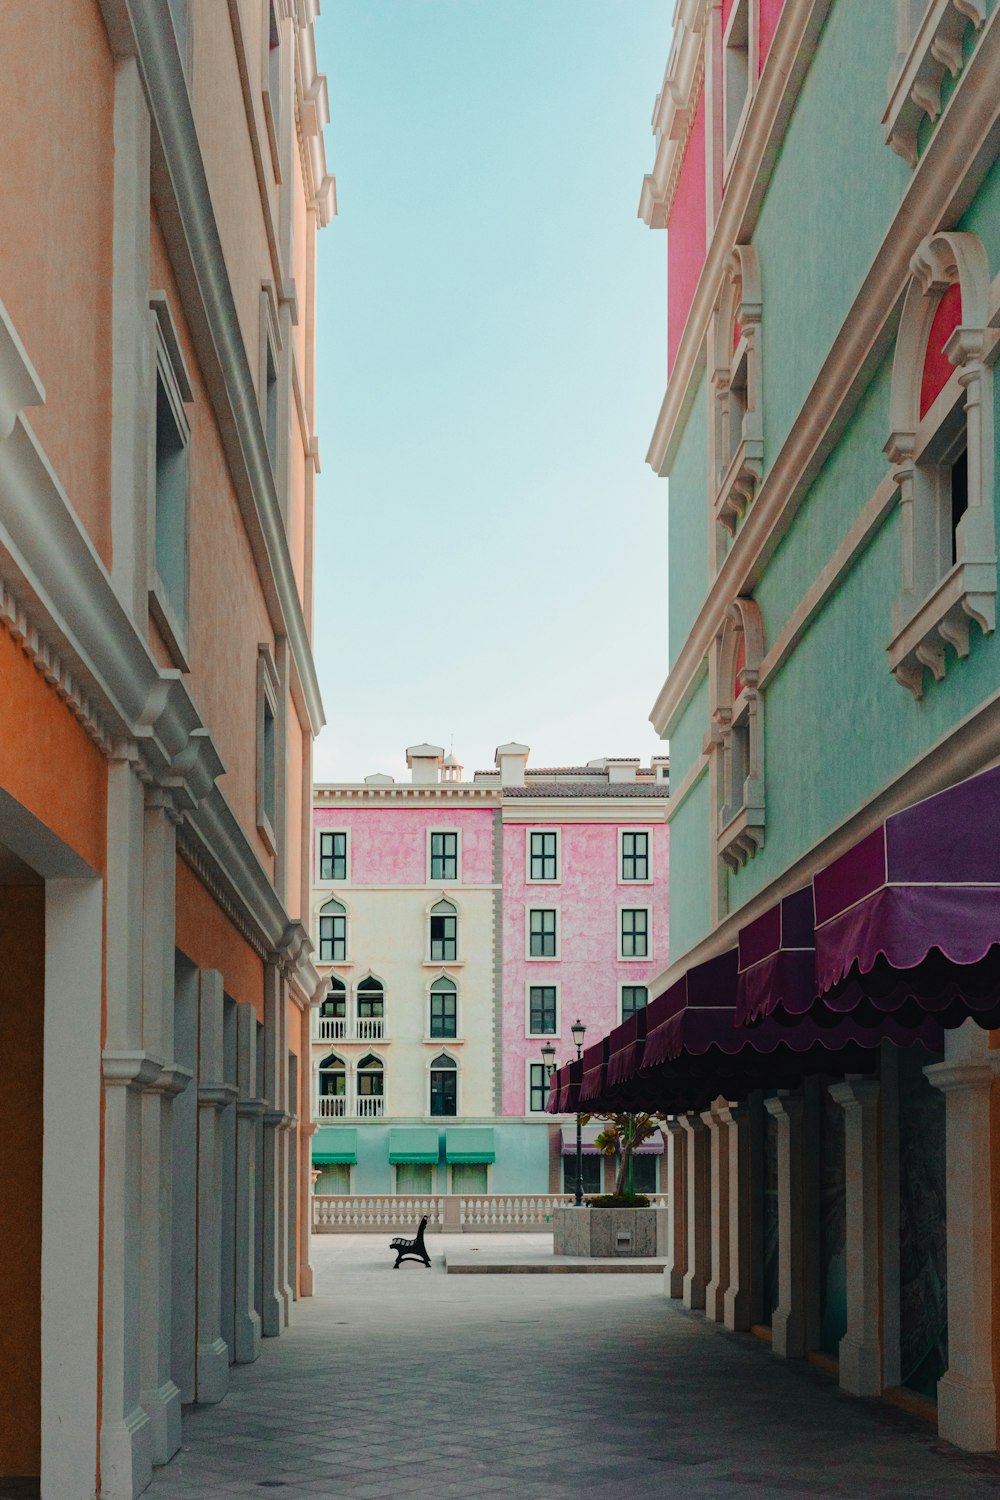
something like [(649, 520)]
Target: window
[(634, 932), (538, 1088), (334, 1177), (332, 1019), (542, 932), (444, 1007), (736, 742), (333, 933), (542, 1010), (444, 933), (371, 998), (414, 1177), (644, 1171), (591, 1173), (332, 1077), (444, 857), (469, 1177), (269, 382), (635, 855), (634, 997), (333, 856), (172, 437), (267, 750), (941, 446), (371, 1093), (738, 69), (543, 856), (444, 1085), (272, 83)]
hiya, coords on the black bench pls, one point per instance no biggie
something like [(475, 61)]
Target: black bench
[(411, 1249)]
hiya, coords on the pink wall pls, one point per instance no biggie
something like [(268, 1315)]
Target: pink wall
[(686, 234), (389, 844), (770, 11), (588, 971)]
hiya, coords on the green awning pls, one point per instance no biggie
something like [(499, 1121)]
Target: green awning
[(471, 1144), (413, 1144), (336, 1147)]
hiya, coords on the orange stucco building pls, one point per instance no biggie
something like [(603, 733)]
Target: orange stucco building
[(164, 181)]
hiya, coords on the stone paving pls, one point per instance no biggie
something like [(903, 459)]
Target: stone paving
[(416, 1385)]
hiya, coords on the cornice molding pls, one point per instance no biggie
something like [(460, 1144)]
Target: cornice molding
[(179, 187), (674, 111), (933, 196), (312, 111)]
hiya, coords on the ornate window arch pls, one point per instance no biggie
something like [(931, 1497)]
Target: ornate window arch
[(332, 1017), (369, 1004), (331, 1087), (736, 741), (370, 1082), (443, 1080), (333, 932), (442, 1008), (442, 931), (737, 429), (941, 451)]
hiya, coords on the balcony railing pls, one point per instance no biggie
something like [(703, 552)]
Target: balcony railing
[(338, 1029), (340, 1107), (332, 1107), (370, 1106)]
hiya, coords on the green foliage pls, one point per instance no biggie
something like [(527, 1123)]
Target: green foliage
[(616, 1200), (623, 1133)]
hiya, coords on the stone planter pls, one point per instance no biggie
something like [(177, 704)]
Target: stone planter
[(609, 1232)]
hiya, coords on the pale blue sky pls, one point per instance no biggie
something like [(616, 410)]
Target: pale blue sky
[(491, 545)]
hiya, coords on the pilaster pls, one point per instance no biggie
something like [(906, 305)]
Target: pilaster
[(718, 1151), (249, 1113), (698, 1184), (673, 1275), (861, 1346), (967, 1392), (274, 1301), (212, 1354), (788, 1322), (735, 1119)]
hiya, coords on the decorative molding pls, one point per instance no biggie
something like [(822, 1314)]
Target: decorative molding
[(674, 111), (135, 1070), (934, 192), (735, 741), (936, 49), (312, 112)]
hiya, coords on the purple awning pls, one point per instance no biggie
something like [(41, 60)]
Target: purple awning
[(777, 960), (595, 1060), (564, 1089), (908, 920), (589, 1134), (694, 1012), (626, 1045)]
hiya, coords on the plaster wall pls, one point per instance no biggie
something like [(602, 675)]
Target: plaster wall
[(208, 938), (389, 844), (687, 529), (686, 234), (521, 1166), (691, 862), (588, 971), (57, 183)]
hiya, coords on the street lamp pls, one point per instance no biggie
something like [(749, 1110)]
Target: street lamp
[(578, 1032), (549, 1059)]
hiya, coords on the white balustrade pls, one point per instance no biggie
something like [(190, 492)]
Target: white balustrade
[(448, 1212), (331, 1029), (393, 1211), (503, 1211), (332, 1106), (370, 1106), (370, 1028)]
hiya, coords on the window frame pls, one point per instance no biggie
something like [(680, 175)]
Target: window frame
[(335, 962), (271, 352), (529, 985), (442, 880), (333, 880), (454, 1072), (647, 832), (733, 130), (529, 1065), (272, 44), (628, 984), (528, 835), (169, 374), (543, 958), (453, 993), (269, 782), (635, 958)]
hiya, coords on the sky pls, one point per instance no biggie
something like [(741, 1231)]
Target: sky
[(491, 356)]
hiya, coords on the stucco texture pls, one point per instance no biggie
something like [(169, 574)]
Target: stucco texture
[(389, 846)]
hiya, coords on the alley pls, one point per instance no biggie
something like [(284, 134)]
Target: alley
[(413, 1385)]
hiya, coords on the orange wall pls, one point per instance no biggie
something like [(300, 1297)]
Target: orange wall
[(22, 1015), (57, 189), (50, 765), (208, 938)]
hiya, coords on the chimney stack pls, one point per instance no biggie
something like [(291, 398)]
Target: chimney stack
[(424, 762), (510, 761)]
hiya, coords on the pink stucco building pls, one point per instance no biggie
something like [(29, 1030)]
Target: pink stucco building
[(461, 925)]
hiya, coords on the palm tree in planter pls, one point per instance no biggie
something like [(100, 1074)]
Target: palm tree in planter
[(621, 1137)]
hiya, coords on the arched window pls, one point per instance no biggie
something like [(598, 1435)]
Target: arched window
[(444, 1085), (738, 735), (942, 452), (332, 1076), (738, 439), (371, 1091), (333, 933), (333, 1012), (444, 933), (444, 1007), (371, 1009)]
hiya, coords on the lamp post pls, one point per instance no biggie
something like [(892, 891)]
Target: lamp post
[(578, 1031)]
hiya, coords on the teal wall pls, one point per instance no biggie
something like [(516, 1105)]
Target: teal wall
[(690, 870), (687, 529), (521, 1166)]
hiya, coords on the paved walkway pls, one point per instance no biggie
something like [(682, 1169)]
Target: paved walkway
[(416, 1385)]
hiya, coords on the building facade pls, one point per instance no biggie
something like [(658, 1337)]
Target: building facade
[(164, 168), (460, 926), (822, 1034)]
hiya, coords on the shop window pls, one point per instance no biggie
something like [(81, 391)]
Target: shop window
[(941, 449), (334, 1177), (644, 1172), (469, 1177), (591, 1173), (414, 1177)]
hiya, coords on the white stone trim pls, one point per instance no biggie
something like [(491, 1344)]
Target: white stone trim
[(538, 958), (650, 857), (935, 48), (431, 880), (333, 884), (674, 111), (528, 831), (542, 982), (635, 958)]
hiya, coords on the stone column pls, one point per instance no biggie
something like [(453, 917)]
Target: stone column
[(306, 1133), (212, 1356), (249, 1110), (718, 1151), (788, 1322), (735, 1120), (160, 1395), (861, 1346), (673, 1275), (273, 1305), (967, 1392), (698, 1186)]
